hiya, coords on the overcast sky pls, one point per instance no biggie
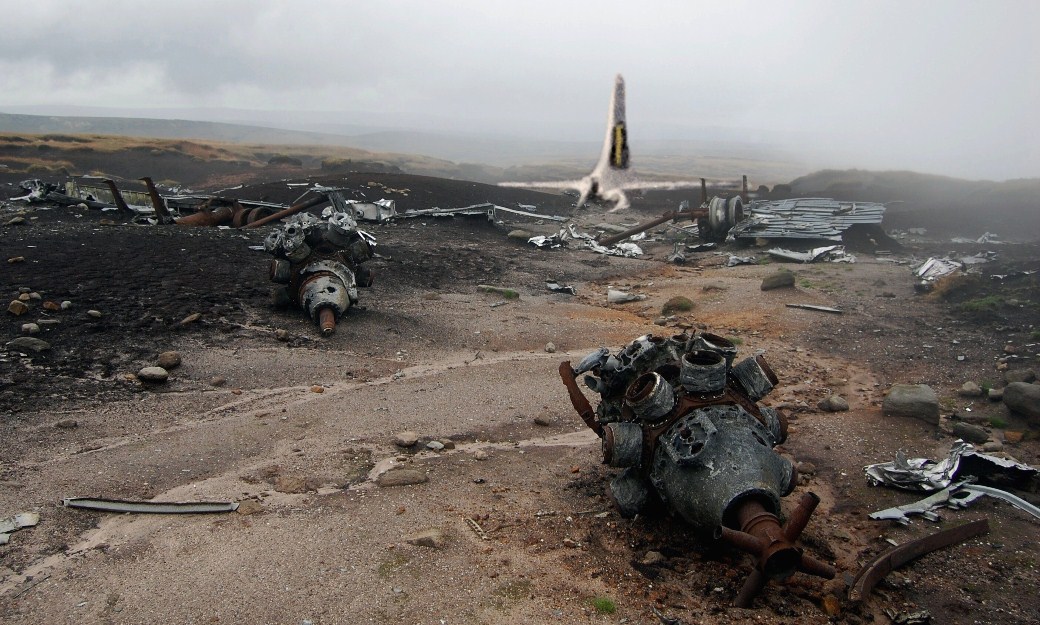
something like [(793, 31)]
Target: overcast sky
[(949, 87)]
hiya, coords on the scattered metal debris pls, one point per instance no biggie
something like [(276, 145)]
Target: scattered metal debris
[(477, 529), (740, 260), (320, 264), (922, 474), (952, 497), (935, 268), (15, 523), (556, 287), (150, 507), (570, 233), (702, 247), (826, 309), (805, 218), (892, 559), (615, 296), (673, 411), (830, 253)]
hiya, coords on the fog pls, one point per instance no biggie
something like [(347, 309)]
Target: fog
[(949, 87)]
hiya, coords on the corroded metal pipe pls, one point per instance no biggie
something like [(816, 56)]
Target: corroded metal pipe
[(773, 546), (292, 210), (578, 400), (327, 320)]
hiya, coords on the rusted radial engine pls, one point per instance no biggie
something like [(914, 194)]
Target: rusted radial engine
[(319, 264), (683, 422)]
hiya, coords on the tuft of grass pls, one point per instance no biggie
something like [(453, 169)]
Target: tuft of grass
[(736, 340), (604, 605), (506, 293), (982, 304), (997, 422), (677, 304), (765, 260), (1035, 335)]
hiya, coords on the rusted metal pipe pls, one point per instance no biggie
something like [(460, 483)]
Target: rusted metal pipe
[(578, 400), (704, 192), (773, 546), (207, 216), (674, 215), (896, 557), (292, 210), (158, 203), (743, 191), (327, 320)]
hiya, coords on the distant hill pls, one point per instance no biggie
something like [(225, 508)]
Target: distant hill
[(947, 205)]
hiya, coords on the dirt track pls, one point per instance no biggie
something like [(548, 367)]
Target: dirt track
[(429, 353)]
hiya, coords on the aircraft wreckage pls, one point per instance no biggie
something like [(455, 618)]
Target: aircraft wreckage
[(684, 423), (319, 265)]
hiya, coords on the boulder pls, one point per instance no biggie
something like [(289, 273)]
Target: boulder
[(778, 280), (912, 400), (1020, 375), (970, 389), (401, 477), (29, 344), (1023, 398), (154, 375), (170, 360), (406, 439), (833, 403), (970, 432)]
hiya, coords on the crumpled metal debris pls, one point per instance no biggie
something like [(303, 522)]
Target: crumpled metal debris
[(953, 497), (935, 268), (571, 233), (556, 287), (830, 253), (805, 218), (14, 523), (740, 260), (615, 296), (923, 474)]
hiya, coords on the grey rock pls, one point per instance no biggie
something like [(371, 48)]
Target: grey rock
[(406, 439), (67, 424), (833, 403), (660, 321), (1023, 398), (653, 558), (918, 401), (970, 389), (519, 234), (995, 394), (281, 334), (43, 323), (401, 477), (550, 348), (34, 296), (435, 446), (30, 328), (29, 344), (170, 360), (447, 442), (480, 454), (778, 280), (992, 446), (15, 221), (1020, 375), (806, 468), (65, 305), (432, 538), (153, 375), (95, 314), (543, 419), (218, 380), (970, 432), (192, 318)]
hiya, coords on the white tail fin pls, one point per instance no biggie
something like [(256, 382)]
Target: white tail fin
[(615, 144)]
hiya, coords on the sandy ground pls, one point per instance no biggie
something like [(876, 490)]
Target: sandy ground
[(527, 532)]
